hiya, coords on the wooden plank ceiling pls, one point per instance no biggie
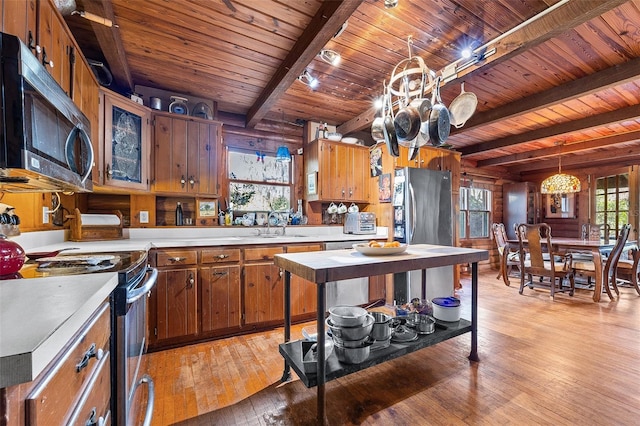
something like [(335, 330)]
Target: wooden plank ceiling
[(566, 82)]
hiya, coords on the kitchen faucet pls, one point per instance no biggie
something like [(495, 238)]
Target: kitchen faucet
[(280, 221)]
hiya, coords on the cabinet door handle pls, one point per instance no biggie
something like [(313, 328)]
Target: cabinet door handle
[(183, 182), (46, 61), (192, 181), (32, 44), (90, 353), (177, 259), (109, 171), (190, 281), (92, 421)]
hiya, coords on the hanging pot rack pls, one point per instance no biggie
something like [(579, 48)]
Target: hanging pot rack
[(412, 71)]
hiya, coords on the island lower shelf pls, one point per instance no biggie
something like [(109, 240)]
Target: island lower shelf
[(292, 353)]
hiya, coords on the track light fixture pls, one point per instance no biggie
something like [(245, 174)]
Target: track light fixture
[(308, 79), (330, 56)]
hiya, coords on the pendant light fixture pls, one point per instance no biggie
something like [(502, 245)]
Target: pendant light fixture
[(282, 154), (560, 183)]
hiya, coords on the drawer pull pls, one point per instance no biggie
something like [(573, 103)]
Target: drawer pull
[(90, 353), (92, 421), (222, 256), (220, 273), (177, 259)]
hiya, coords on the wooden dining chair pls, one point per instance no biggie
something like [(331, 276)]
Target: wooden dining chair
[(552, 270), (509, 257), (610, 263), (628, 271)]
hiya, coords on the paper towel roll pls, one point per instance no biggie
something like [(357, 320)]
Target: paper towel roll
[(100, 219)]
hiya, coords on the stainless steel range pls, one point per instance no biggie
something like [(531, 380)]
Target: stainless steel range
[(132, 390), (129, 343)]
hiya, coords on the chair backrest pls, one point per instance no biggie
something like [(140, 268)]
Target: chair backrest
[(614, 256), (592, 231), (499, 234), (538, 241)]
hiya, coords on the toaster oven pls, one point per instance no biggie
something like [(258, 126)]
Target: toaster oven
[(360, 223)]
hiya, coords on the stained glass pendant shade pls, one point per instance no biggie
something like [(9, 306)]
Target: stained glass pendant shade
[(560, 183)]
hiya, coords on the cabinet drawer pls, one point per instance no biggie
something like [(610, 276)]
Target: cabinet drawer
[(95, 402), (304, 248), (221, 255), (53, 398), (176, 257), (264, 253)]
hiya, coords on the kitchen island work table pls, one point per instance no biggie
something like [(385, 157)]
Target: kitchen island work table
[(336, 265)]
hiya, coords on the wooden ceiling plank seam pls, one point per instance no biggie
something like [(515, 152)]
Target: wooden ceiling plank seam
[(627, 155), (323, 26), (631, 112), (291, 11)]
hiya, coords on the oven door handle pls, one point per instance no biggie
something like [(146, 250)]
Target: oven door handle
[(151, 396), (146, 287)]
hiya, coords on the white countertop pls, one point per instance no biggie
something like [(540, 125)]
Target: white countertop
[(39, 316)]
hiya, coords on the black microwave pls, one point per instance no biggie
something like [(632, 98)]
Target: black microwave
[(45, 144)]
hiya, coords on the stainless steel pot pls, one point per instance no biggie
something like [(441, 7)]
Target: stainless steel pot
[(382, 328), (155, 103)]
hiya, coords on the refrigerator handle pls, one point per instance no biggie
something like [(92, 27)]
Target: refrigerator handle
[(413, 213)]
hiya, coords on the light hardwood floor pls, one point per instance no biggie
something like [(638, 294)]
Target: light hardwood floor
[(566, 362)]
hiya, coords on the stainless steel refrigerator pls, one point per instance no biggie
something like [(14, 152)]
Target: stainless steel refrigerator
[(423, 214)]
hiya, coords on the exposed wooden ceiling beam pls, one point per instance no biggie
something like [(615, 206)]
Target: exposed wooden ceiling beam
[(560, 20), (628, 113), (605, 79), (323, 26), (629, 155), (561, 149), (110, 42)]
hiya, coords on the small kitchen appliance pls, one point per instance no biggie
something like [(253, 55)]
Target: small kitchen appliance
[(360, 223)]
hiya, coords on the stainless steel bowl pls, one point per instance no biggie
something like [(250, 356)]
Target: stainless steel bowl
[(426, 324), (350, 343), (353, 355), (347, 316), (351, 333)]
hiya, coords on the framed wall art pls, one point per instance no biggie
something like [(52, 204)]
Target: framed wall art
[(561, 206), (311, 183)]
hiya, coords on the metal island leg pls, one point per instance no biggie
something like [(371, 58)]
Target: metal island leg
[(286, 374), (321, 352), (473, 356)]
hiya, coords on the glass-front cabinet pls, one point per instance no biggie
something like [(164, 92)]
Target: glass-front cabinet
[(126, 143)]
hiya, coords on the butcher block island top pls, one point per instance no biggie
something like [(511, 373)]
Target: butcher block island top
[(335, 265)]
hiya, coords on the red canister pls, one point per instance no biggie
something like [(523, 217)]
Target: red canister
[(11, 256)]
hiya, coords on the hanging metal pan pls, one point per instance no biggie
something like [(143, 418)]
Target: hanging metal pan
[(462, 107), (389, 131), (439, 121)]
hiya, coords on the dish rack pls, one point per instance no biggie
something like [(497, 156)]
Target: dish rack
[(97, 231)]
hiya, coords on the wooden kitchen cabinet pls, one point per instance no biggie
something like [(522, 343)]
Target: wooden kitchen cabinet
[(185, 154), (521, 204), (19, 18), (174, 302), (303, 292), (263, 286), (340, 170), (220, 289), (124, 144)]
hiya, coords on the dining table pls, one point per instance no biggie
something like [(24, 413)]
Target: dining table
[(598, 249)]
